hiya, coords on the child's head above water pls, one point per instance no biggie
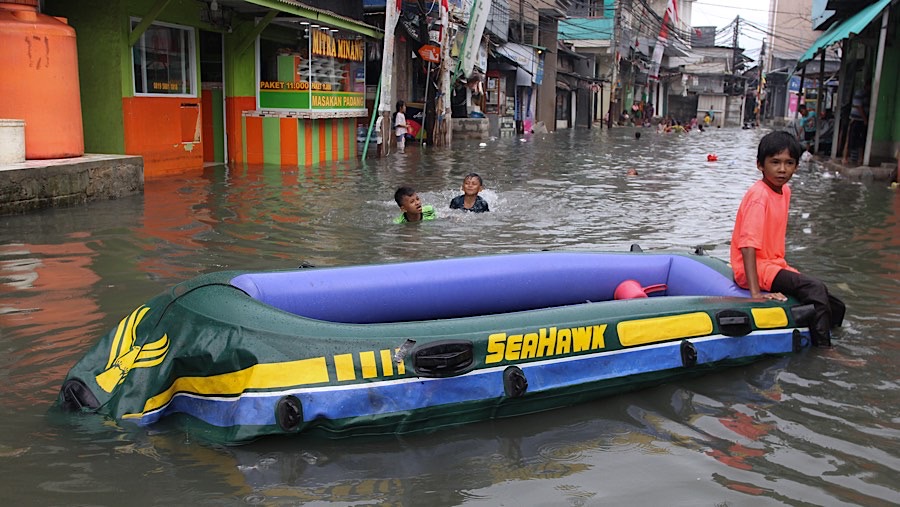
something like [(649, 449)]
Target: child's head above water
[(408, 199), (472, 184)]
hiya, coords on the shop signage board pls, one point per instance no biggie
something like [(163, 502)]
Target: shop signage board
[(327, 74)]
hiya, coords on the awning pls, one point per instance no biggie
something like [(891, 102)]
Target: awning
[(539, 48), (840, 31), (298, 8), (519, 54), (522, 58)]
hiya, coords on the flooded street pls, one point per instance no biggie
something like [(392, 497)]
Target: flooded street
[(818, 428)]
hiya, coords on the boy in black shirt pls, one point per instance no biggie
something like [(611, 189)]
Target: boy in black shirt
[(470, 200)]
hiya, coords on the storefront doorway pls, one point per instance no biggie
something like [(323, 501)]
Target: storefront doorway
[(212, 98)]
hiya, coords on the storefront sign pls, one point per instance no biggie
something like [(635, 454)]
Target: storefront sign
[(320, 100), (323, 44), (325, 72)]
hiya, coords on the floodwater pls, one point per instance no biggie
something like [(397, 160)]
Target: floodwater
[(818, 428)]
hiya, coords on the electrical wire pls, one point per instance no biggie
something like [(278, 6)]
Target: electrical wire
[(643, 21)]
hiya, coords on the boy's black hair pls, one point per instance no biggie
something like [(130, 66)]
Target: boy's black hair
[(776, 142), (474, 175), (403, 192), (400, 104)]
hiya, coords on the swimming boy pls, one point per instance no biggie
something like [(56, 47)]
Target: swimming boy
[(411, 205), (757, 243), (470, 200)]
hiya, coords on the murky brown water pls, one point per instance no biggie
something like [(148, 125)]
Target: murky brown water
[(819, 428)]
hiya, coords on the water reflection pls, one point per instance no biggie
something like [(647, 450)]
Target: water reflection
[(43, 330), (819, 428)]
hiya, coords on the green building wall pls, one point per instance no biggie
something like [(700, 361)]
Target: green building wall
[(98, 28), (240, 68), (102, 29)]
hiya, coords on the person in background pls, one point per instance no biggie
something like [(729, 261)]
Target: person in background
[(826, 132), (808, 126), (757, 242), (859, 123), (793, 125), (470, 200), (411, 206), (401, 126)]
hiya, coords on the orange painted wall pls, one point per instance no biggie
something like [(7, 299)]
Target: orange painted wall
[(289, 155), (254, 139), (165, 131), (234, 106)]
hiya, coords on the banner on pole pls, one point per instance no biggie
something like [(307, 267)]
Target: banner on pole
[(477, 22), (662, 41)]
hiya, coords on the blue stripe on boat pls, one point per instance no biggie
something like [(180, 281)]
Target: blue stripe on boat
[(360, 400)]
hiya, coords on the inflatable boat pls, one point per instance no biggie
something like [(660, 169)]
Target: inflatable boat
[(416, 346)]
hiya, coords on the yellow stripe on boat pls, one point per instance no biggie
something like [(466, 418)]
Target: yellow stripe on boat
[(659, 329), (367, 364), (386, 365), (343, 367), (767, 318), (259, 376)]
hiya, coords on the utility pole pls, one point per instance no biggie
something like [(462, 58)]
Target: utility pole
[(734, 45), (615, 63), (759, 82), (522, 23)]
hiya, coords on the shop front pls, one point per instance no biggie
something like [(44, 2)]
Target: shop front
[(162, 119), (515, 71), (311, 96), (189, 83)]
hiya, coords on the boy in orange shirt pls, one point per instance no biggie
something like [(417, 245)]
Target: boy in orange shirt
[(757, 243)]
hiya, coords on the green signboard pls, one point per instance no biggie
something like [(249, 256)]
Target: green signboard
[(307, 99)]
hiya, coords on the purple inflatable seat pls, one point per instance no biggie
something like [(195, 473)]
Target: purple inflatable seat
[(472, 286)]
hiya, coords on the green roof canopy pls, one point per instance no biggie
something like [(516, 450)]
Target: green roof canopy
[(844, 29)]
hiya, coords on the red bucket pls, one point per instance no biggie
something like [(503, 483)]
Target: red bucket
[(631, 289)]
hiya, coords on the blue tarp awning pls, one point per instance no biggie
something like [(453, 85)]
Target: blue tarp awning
[(840, 31), (572, 29)]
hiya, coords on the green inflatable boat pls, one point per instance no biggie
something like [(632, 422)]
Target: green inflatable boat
[(413, 346)]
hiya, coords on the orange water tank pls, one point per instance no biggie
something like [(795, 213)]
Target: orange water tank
[(39, 81)]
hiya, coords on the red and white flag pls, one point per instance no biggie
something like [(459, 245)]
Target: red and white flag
[(662, 41)]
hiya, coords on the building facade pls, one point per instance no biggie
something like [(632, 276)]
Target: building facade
[(186, 82)]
